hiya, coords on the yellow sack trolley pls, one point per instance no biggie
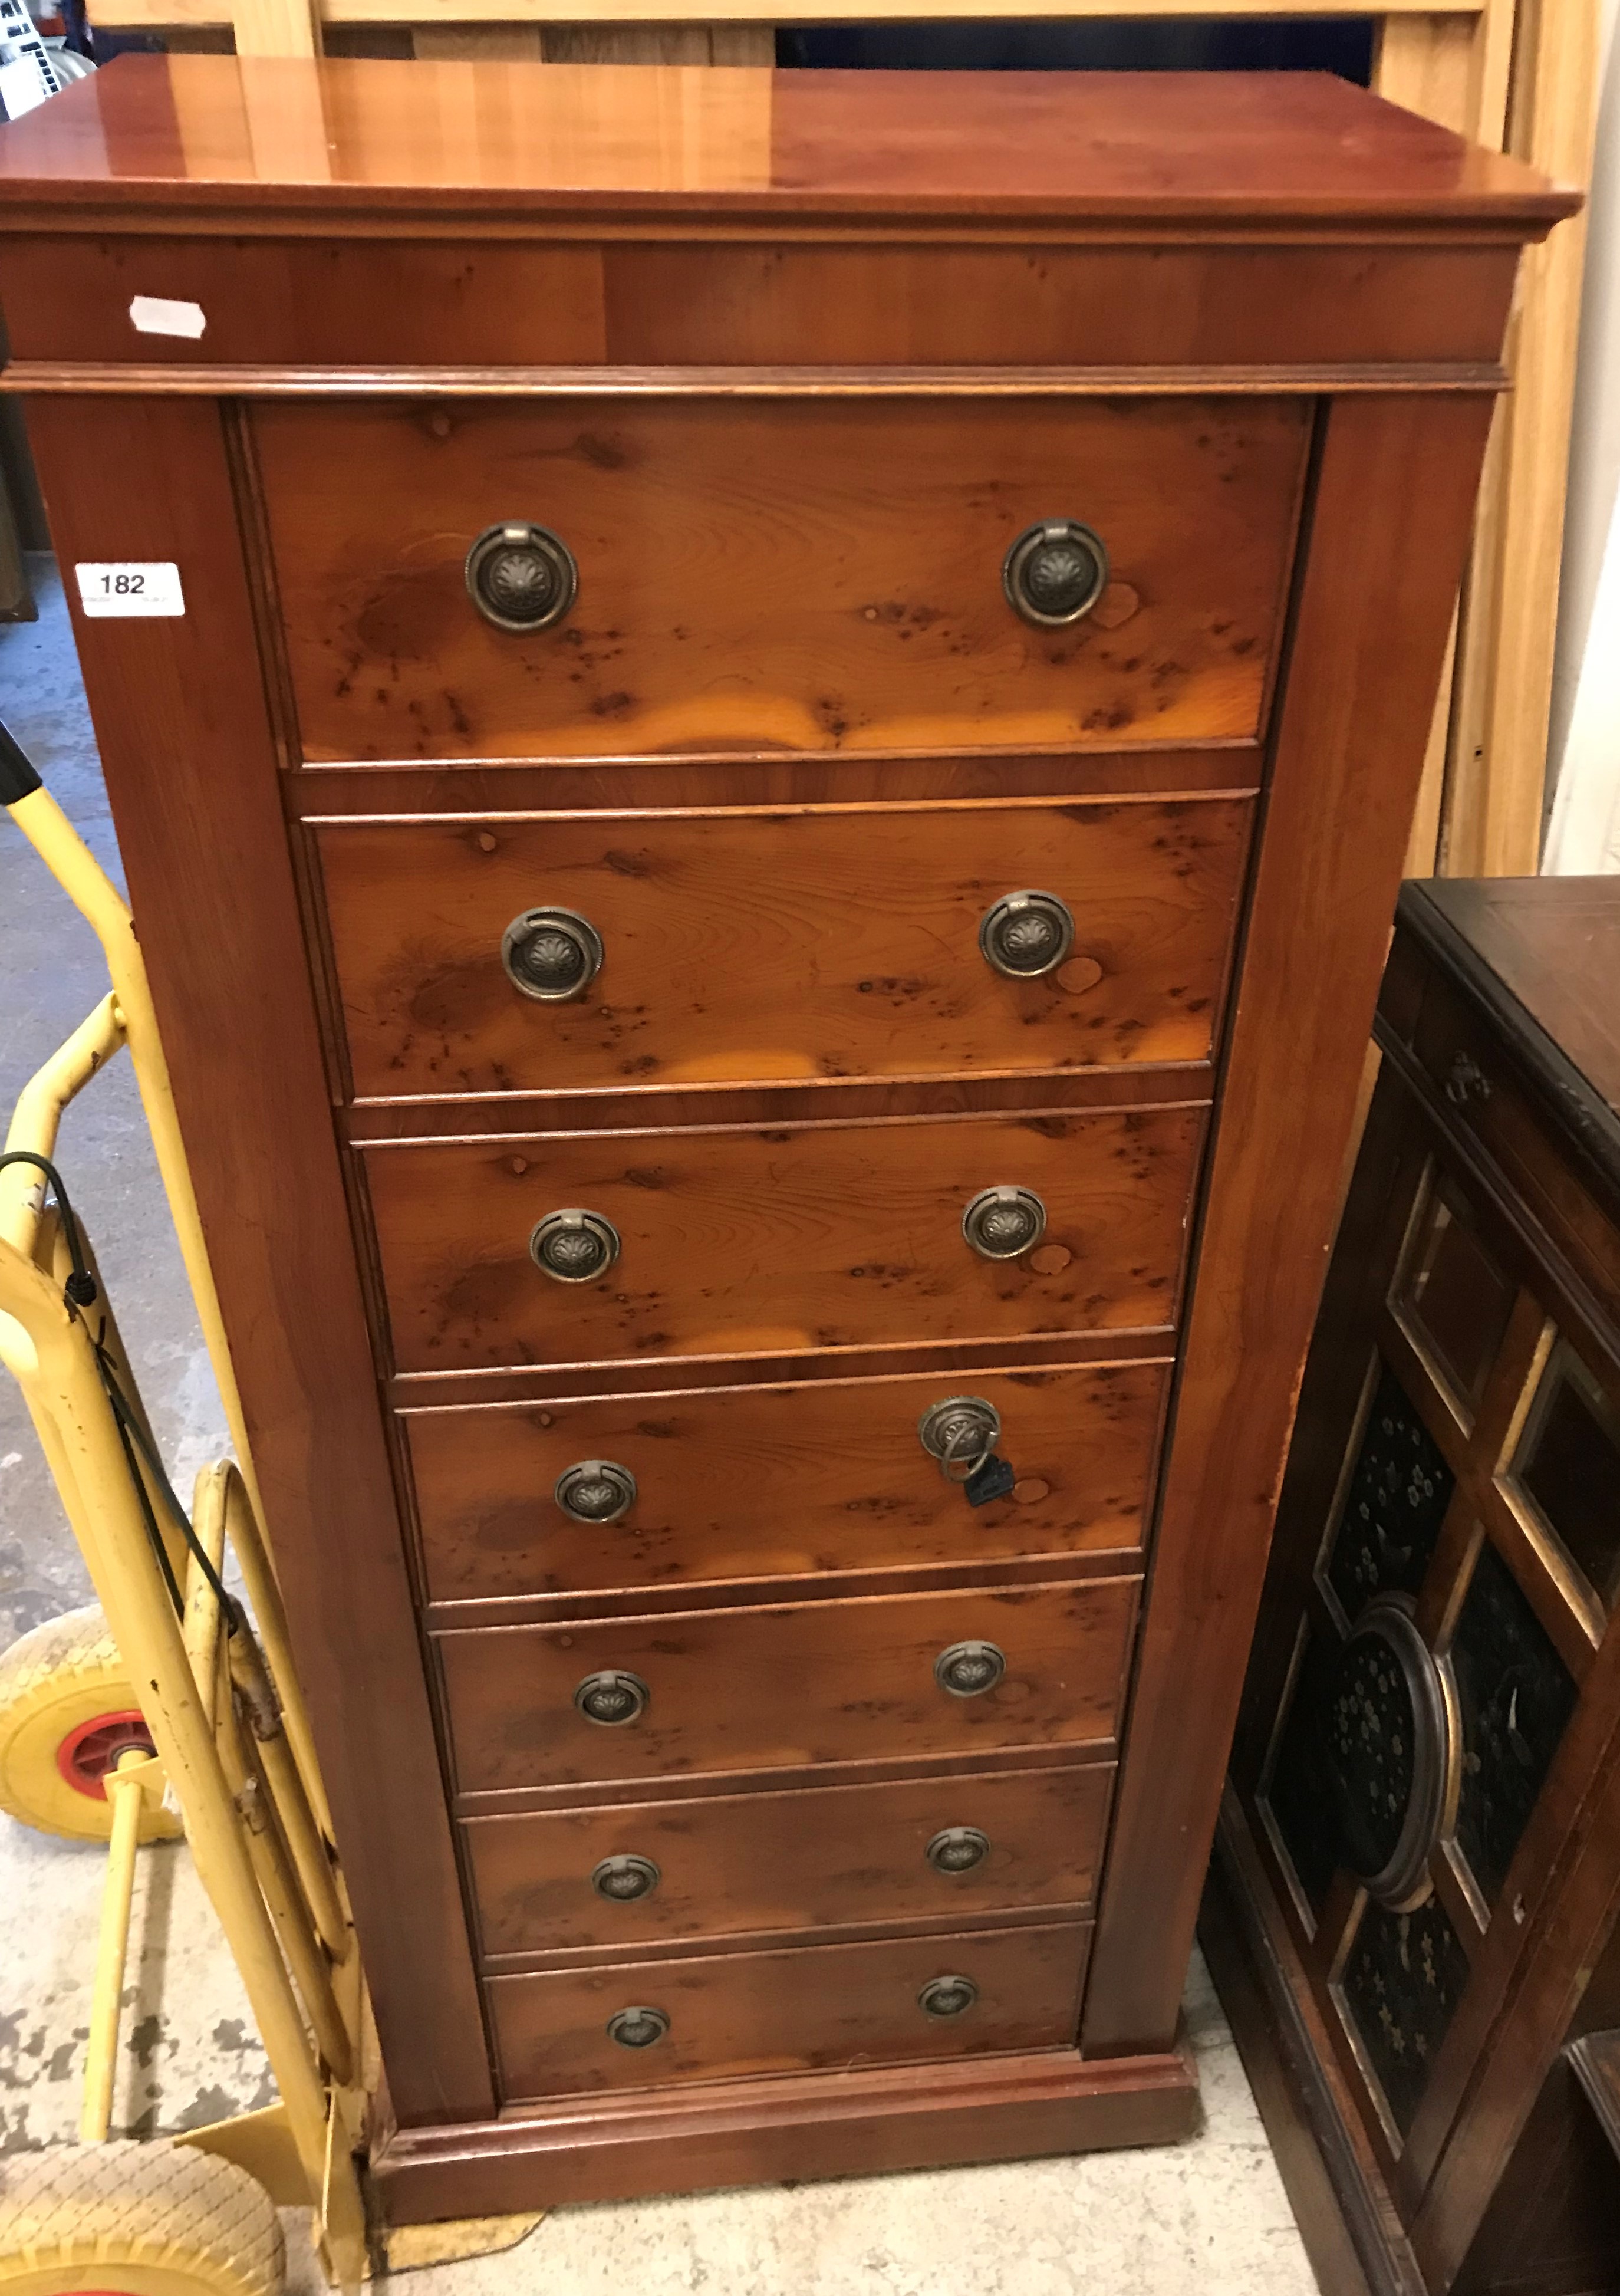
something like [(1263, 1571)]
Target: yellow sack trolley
[(168, 1704)]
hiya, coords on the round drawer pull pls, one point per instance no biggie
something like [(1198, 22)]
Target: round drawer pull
[(612, 1697), (1005, 1223), (623, 1880), (637, 2028), (595, 1491), (947, 1997), (1024, 935), (551, 954), (574, 1247), (961, 1432), (1394, 1753), (1055, 573), (521, 576), (958, 1850), (968, 1669)]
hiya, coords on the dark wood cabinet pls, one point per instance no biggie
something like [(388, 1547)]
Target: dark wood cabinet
[(1421, 1845), (765, 845)]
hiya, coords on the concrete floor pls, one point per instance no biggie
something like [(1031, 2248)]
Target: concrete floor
[(1196, 2220)]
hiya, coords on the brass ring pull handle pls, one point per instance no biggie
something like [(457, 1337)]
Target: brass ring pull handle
[(521, 577), (961, 1432), (612, 1697), (1394, 1744), (595, 1491), (1024, 935), (1055, 573), (968, 1669), (551, 954), (637, 2028), (1005, 1223), (958, 1850), (947, 1997), (623, 1880), (574, 1247)]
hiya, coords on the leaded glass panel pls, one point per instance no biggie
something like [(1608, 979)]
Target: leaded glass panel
[(1403, 1980), (1515, 1695), (1399, 1489)]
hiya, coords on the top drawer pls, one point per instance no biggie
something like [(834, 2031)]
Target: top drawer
[(768, 574)]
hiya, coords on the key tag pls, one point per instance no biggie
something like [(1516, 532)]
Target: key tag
[(992, 1478)]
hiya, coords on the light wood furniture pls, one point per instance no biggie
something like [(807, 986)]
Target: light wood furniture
[(1413, 1908), (767, 1112)]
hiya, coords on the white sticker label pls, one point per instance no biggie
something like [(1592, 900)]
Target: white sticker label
[(157, 315), (129, 585), (24, 82)]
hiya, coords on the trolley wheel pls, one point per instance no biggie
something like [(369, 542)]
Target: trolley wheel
[(153, 2219), (67, 1712)]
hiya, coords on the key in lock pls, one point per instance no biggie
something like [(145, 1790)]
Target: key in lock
[(960, 1434)]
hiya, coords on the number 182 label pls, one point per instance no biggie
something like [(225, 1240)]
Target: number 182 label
[(129, 585)]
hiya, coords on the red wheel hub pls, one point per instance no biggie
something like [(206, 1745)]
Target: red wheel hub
[(88, 1753)]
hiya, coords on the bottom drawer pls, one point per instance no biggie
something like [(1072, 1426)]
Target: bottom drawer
[(817, 2008), (790, 1861)]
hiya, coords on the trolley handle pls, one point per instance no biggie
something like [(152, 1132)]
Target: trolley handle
[(18, 778), (39, 1105)]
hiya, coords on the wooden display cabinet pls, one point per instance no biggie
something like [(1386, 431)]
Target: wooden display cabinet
[(1418, 1874)]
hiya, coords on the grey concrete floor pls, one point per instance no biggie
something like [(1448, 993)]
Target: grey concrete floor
[(1201, 2219)]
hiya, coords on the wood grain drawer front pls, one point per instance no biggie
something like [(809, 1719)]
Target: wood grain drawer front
[(750, 1863), (812, 2007), (783, 1688), (771, 945), (748, 1243), (775, 1481), (778, 573)]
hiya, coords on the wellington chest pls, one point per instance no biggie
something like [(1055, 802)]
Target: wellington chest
[(1419, 1863), (762, 728)]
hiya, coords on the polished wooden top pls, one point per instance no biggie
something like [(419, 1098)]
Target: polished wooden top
[(272, 144)]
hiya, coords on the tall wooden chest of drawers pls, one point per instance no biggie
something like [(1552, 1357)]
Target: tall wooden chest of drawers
[(762, 728)]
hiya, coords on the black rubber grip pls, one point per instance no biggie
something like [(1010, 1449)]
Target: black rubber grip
[(18, 778)]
